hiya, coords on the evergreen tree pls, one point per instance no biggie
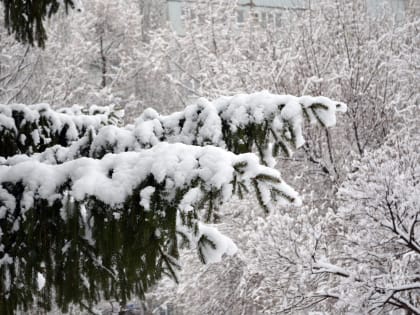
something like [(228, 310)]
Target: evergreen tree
[(26, 18), (92, 210)]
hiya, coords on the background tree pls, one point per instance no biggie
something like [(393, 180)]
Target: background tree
[(375, 260), (73, 68), (328, 49)]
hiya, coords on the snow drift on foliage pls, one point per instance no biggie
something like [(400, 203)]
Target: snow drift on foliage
[(113, 178), (264, 122)]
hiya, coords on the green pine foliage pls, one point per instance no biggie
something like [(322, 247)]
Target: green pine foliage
[(265, 126), (31, 129), (26, 18), (89, 247)]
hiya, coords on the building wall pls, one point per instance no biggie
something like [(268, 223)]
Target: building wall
[(174, 15), (379, 7), (289, 4), (374, 7)]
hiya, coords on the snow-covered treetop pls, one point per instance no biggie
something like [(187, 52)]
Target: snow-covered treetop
[(106, 207)]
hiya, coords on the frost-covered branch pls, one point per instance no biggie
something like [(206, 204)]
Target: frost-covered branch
[(381, 201), (379, 295)]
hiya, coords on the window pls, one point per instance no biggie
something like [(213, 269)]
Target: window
[(240, 17), (278, 19)]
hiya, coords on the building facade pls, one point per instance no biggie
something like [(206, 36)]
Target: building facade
[(270, 10)]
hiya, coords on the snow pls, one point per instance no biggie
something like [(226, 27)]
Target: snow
[(7, 281), (7, 122), (327, 116), (190, 198), (411, 286), (224, 245), (45, 123), (40, 280), (85, 281), (199, 124), (66, 247), (113, 178), (145, 195), (6, 260), (202, 123), (8, 201), (324, 266)]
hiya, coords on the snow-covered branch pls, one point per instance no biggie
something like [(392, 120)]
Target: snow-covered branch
[(241, 123), (93, 216), (27, 129)]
